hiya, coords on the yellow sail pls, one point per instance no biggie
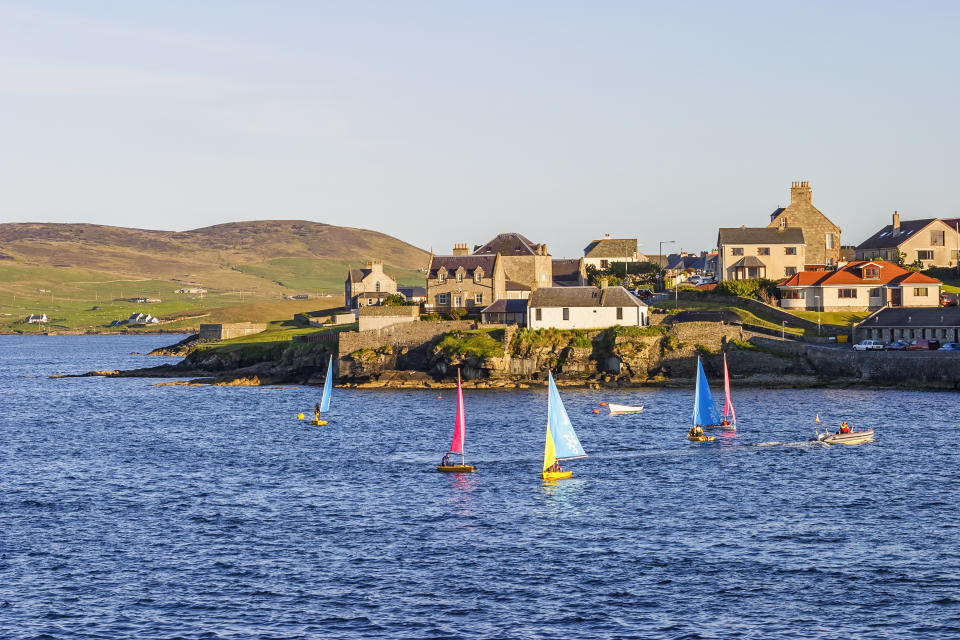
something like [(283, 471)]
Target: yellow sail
[(549, 451)]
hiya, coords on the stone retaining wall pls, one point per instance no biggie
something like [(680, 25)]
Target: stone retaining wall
[(932, 369)]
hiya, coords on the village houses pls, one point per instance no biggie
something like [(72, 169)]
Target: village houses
[(368, 286), (759, 252), (584, 308), (931, 242), (863, 285)]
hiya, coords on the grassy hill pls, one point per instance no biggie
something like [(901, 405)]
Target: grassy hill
[(82, 275)]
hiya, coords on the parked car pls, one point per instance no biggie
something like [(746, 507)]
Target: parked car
[(694, 279), (643, 294), (947, 300), (921, 344), (869, 345), (950, 346), (707, 280), (897, 345)]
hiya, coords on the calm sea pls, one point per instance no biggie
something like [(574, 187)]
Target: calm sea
[(129, 510)]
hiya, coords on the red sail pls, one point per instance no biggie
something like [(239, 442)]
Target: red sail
[(727, 404), (461, 426)]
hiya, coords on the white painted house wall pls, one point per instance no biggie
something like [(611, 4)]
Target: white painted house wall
[(586, 317)]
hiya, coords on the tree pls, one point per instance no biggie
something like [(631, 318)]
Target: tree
[(457, 313)]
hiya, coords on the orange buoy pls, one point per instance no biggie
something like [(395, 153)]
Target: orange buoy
[(596, 410), (603, 404)]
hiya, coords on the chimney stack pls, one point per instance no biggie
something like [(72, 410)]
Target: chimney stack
[(461, 249), (896, 222), (800, 191)]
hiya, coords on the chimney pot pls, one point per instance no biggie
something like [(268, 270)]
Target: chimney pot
[(606, 236)]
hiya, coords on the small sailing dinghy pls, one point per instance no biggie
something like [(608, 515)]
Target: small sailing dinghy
[(616, 409), (729, 415), (324, 405), (704, 409), (456, 447), (561, 441)]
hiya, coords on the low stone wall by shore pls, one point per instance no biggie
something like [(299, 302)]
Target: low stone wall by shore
[(930, 369)]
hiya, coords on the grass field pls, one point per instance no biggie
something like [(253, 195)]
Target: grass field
[(745, 315)]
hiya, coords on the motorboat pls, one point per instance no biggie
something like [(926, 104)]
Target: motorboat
[(854, 437)]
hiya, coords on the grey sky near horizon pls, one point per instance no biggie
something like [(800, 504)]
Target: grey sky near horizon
[(444, 122)]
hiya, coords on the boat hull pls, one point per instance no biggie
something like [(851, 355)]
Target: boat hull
[(700, 438), (857, 437), (623, 408), (318, 423), (556, 475), (455, 468)]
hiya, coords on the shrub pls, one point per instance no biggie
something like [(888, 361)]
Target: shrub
[(431, 317), (705, 350), (757, 288), (394, 300), (581, 341), (456, 313), (480, 344), (671, 343), (639, 332)]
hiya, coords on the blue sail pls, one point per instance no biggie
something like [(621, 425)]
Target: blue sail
[(564, 437), (704, 409), (327, 389)]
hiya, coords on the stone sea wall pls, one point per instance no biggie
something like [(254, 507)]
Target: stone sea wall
[(927, 369)]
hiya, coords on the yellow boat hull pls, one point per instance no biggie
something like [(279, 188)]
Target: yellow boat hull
[(700, 438), (456, 468), (556, 475), (318, 423)]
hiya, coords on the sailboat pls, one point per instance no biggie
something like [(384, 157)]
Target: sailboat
[(324, 405), (561, 441), (729, 415), (704, 409), (459, 430)]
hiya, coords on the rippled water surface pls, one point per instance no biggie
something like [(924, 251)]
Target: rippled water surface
[(131, 510)]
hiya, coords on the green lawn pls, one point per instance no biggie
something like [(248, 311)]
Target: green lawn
[(746, 316), (838, 318)]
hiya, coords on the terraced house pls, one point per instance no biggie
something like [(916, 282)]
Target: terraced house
[(864, 285)]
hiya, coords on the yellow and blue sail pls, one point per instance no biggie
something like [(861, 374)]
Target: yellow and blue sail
[(561, 441), (704, 408), (327, 388)]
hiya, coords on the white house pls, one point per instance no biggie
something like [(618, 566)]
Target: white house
[(34, 318), (864, 285), (602, 253), (584, 308)]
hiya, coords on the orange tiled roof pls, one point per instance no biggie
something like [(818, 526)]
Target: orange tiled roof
[(850, 275)]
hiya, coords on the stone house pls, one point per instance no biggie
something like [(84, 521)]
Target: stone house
[(932, 241), (759, 252), (525, 263), (602, 253), (465, 281), (821, 236), (584, 308), (863, 285), (905, 323), (367, 286)]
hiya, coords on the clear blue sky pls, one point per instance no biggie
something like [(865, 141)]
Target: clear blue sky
[(443, 122)]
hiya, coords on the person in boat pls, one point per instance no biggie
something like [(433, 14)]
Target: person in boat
[(555, 467), (446, 460), (724, 423), (316, 410), (844, 427)]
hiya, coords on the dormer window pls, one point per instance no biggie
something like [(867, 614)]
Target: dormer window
[(477, 276), (459, 276), (442, 275), (871, 273)]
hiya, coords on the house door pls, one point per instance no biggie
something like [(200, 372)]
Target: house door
[(896, 297)]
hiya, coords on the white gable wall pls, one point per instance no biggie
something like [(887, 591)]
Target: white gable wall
[(585, 317)]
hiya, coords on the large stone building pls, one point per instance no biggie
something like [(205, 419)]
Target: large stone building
[(759, 252), (931, 241), (367, 286), (821, 236), (465, 281)]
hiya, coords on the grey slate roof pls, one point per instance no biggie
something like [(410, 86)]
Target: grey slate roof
[(886, 238), (583, 297), (507, 244), (611, 248), (566, 272), (506, 306), (748, 261), (510, 285), (413, 292), (469, 264), (913, 317), (760, 235)]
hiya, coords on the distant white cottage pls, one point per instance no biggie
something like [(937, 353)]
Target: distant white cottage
[(34, 318), (584, 308)]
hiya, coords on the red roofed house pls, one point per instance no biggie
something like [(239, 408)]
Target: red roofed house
[(864, 285)]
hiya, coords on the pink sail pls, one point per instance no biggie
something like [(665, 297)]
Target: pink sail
[(727, 404), (461, 425)]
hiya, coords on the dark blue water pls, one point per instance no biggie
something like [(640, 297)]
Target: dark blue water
[(134, 511)]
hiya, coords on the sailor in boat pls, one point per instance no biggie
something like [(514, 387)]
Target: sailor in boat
[(724, 423), (696, 431), (844, 427), (316, 411), (555, 467), (445, 462)]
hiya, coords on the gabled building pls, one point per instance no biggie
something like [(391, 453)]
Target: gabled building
[(932, 241), (759, 252), (602, 253), (863, 285), (584, 308), (465, 281), (364, 286), (524, 262), (820, 235)]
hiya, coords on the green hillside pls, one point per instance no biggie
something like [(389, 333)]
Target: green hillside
[(83, 276)]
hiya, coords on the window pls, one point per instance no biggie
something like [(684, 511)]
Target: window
[(876, 292), (619, 313), (829, 243), (604, 264), (443, 299), (736, 251), (460, 276), (791, 251), (793, 294), (477, 275), (937, 239), (790, 271), (539, 314), (378, 285), (478, 298), (441, 276), (763, 251), (846, 293), (871, 273), (566, 313), (925, 255), (920, 292), (458, 301)]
